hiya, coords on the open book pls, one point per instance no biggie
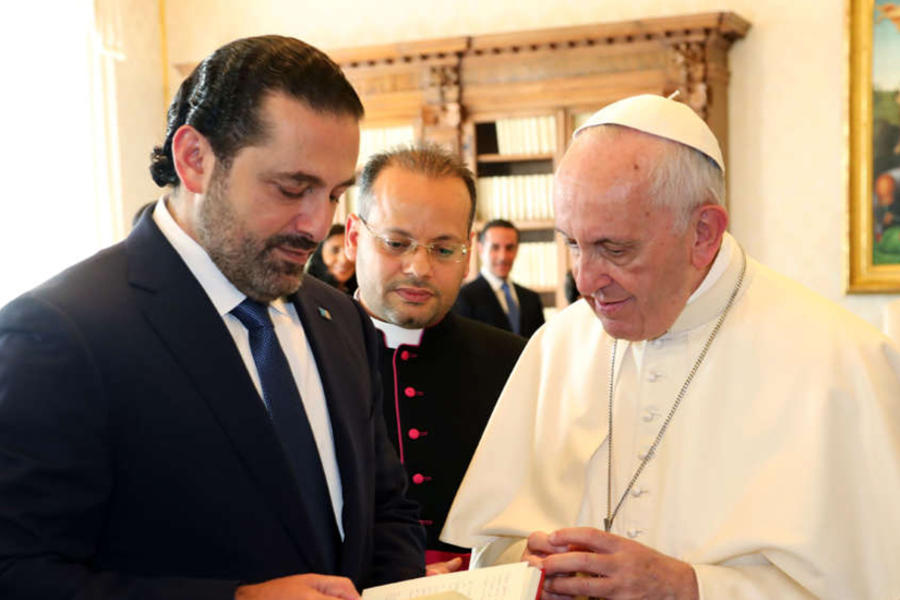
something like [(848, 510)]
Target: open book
[(516, 581)]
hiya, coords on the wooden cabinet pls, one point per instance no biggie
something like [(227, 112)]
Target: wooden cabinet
[(514, 158), (480, 95)]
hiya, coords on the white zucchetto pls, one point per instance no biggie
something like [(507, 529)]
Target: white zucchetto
[(661, 117)]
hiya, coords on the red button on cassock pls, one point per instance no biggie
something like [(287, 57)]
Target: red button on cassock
[(414, 434), (404, 355), (410, 392), (418, 478)]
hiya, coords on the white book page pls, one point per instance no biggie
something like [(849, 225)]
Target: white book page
[(517, 581)]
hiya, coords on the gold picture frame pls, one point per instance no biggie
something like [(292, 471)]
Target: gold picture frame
[(872, 269)]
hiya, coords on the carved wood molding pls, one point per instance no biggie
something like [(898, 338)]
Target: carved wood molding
[(440, 84), (441, 114), (729, 25)]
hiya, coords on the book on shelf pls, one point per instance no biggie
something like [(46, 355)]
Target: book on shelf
[(373, 140), (528, 135), (515, 581), (536, 265), (515, 197)]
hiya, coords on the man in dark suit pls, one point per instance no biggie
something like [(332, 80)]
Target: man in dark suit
[(442, 373), (179, 416), (492, 297)]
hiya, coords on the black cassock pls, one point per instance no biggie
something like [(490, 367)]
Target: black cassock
[(444, 390)]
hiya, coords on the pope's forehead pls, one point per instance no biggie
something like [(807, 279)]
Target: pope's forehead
[(615, 141), (577, 201), (602, 160)]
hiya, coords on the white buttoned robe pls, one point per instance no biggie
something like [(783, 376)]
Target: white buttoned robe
[(779, 476)]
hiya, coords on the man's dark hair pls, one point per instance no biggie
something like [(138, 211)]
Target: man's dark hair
[(503, 223), (222, 96), (430, 160)]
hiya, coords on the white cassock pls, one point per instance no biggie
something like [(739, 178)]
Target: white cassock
[(779, 476)]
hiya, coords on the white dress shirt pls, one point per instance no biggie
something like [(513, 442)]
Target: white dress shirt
[(291, 336), (496, 283)]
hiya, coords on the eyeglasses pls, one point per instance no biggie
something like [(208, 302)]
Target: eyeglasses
[(401, 245)]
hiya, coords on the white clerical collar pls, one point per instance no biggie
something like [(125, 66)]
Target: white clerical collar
[(710, 298), (218, 288), (492, 279), (396, 336), (705, 303)]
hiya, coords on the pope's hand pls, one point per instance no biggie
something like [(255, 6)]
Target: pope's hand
[(300, 587), (582, 561), (442, 568), (539, 547)]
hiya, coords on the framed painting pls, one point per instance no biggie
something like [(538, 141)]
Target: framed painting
[(874, 178)]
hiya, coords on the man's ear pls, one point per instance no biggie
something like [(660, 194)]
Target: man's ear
[(711, 221), (194, 158), (351, 238)]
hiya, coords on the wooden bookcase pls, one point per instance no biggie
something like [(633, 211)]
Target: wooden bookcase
[(465, 92)]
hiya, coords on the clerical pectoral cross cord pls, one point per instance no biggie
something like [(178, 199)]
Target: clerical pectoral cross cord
[(610, 512)]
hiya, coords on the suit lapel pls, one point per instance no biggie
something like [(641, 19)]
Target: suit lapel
[(335, 358), (182, 315), (501, 319)]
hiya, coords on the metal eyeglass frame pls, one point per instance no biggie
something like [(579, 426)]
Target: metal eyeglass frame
[(432, 250)]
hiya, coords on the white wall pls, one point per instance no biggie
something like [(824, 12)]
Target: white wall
[(787, 98), (141, 101), (56, 207)]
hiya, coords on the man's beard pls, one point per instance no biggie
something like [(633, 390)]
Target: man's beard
[(247, 261)]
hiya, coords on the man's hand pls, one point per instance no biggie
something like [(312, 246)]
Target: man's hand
[(299, 587), (582, 561), (441, 568)]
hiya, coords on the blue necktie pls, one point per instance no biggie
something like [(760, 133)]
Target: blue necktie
[(512, 309), (286, 410)]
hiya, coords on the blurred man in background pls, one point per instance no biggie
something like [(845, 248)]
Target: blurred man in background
[(493, 297)]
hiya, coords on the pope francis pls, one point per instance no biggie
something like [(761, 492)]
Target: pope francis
[(698, 426)]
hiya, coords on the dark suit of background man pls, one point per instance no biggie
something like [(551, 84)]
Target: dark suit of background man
[(487, 298), (144, 451), (442, 373)]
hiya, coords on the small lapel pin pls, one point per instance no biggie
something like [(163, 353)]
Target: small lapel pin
[(324, 313)]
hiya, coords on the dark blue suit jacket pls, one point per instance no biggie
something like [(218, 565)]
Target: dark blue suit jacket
[(137, 460), (478, 301)]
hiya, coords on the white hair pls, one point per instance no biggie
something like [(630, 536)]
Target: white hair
[(682, 180)]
